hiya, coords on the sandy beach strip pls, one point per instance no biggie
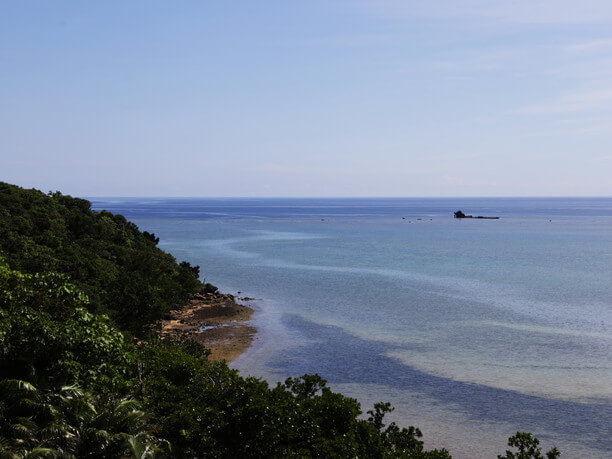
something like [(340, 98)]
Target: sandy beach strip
[(215, 320)]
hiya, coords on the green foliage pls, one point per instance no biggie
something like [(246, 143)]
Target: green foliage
[(200, 405), (401, 442), (528, 448), (71, 423), (116, 265), (48, 337)]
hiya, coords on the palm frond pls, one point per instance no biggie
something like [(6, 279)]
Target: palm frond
[(37, 453), (17, 385)]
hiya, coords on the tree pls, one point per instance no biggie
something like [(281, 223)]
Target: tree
[(49, 338), (119, 267), (528, 448), (71, 423)]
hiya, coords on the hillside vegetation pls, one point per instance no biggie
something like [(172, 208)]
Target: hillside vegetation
[(74, 286), (117, 266)]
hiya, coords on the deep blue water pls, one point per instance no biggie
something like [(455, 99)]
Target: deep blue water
[(473, 329)]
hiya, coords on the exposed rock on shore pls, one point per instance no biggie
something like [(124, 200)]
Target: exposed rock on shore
[(215, 320)]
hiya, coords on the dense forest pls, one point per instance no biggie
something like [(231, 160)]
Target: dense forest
[(83, 372), (105, 255)]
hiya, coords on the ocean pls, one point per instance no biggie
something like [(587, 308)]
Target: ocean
[(473, 329)]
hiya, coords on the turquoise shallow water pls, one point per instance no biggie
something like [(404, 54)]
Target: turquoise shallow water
[(473, 329)]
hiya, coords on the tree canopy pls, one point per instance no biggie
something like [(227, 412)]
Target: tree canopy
[(119, 267)]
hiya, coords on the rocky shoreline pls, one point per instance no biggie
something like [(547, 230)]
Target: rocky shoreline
[(215, 320)]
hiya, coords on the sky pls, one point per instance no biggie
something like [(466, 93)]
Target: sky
[(307, 98)]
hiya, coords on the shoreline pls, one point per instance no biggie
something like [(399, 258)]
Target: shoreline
[(215, 320)]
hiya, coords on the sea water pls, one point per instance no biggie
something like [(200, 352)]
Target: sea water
[(473, 329)]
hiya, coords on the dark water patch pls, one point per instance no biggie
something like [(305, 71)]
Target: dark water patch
[(342, 358)]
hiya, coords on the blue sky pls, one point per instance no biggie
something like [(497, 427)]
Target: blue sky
[(307, 98)]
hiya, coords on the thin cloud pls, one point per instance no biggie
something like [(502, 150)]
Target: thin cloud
[(520, 11), (549, 11), (574, 102), (592, 45)]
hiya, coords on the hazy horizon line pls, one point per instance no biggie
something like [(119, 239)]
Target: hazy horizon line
[(355, 197)]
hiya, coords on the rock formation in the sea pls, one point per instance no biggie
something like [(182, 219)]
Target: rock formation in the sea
[(460, 214)]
